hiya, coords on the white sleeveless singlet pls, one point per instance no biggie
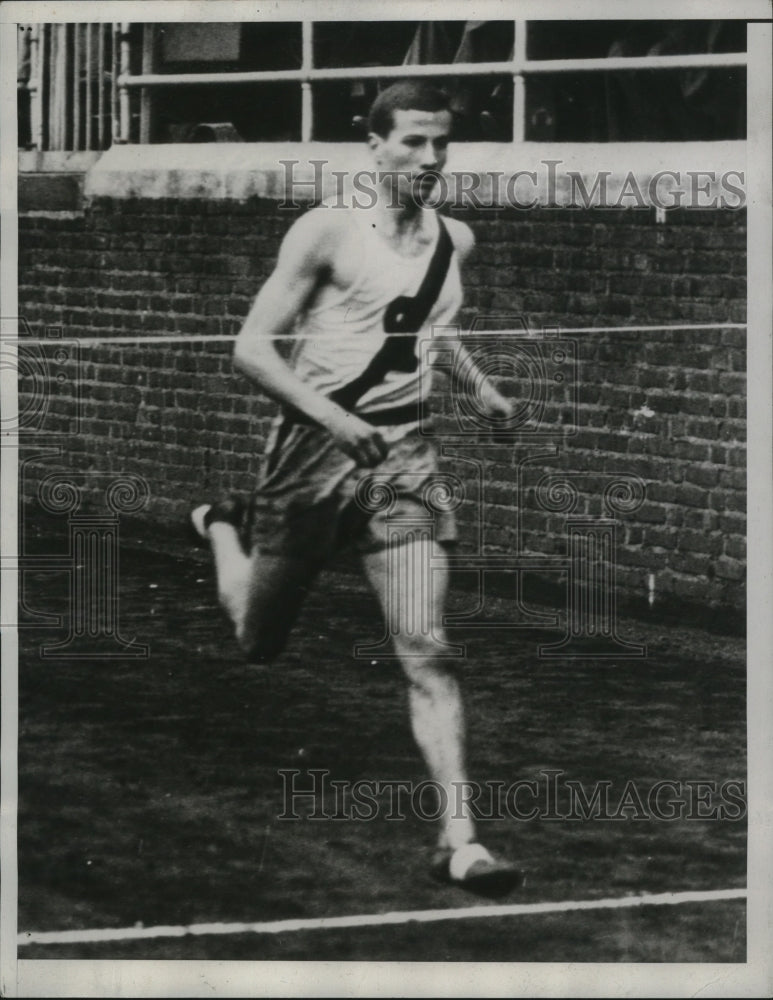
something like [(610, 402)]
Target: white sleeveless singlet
[(342, 330)]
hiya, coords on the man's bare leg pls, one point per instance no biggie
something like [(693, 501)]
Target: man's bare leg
[(233, 567), (413, 605), (261, 592), (234, 570)]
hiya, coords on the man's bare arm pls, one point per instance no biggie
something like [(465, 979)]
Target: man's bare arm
[(305, 259), (468, 374), (466, 371)]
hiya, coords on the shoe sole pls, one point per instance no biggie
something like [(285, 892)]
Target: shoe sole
[(491, 878), (496, 881)]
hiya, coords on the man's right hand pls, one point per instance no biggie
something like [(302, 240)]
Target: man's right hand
[(356, 438)]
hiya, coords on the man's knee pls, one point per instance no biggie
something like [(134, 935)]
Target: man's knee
[(426, 663), (421, 646)]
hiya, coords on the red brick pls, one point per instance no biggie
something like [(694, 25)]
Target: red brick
[(194, 267), (730, 569)]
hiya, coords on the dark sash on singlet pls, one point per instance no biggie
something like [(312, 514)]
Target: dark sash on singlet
[(404, 316)]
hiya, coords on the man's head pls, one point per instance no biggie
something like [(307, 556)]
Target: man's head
[(407, 95), (409, 127)]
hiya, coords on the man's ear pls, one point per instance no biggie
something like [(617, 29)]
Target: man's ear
[(374, 141)]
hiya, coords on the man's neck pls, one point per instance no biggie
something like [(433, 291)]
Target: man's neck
[(400, 220)]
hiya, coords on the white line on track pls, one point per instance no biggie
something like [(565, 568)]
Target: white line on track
[(374, 919), (203, 338)]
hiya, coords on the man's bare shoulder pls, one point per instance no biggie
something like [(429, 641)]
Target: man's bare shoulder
[(317, 234), (461, 235)]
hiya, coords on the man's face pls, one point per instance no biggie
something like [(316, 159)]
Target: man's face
[(417, 143)]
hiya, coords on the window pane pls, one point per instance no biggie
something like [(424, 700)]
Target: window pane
[(258, 112), (597, 39), (637, 106), (393, 43), (23, 64), (678, 105), (357, 43), (227, 47), (482, 107), (461, 42)]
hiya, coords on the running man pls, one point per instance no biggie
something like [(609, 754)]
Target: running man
[(358, 289)]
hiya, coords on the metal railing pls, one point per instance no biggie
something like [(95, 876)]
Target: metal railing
[(61, 67), (71, 78)]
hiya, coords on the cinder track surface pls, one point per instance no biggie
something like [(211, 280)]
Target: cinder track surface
[(150, 788)]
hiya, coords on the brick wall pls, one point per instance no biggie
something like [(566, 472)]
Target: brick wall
[(667, 407)]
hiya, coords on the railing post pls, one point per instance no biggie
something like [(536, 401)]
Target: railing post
[(519, 82), (148, 38), (76, 87), (115, 119), (54, 88), (89, 110), (124, 122), (101, 87), (307, 61)]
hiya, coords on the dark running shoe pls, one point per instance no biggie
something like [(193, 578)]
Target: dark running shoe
[(231, 510), (474, 868)]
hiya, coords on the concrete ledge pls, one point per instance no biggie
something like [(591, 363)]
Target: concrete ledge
[(56, 161), (479, 175)]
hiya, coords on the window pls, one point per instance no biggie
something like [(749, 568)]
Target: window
[(698, 103), (483, 106), (578, 81), (269, 111)]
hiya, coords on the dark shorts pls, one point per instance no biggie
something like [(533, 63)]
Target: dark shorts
[(312, 500)]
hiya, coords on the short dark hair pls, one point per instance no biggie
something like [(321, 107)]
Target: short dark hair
[(407, 95)]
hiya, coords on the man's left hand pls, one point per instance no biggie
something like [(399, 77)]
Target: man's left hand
[(495, 404)]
